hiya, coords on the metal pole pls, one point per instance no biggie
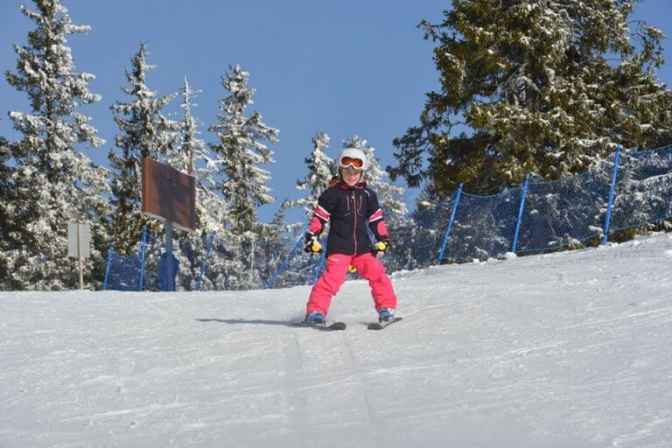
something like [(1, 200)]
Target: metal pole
[(142, 261), (107, 269), (79, 256), (607, 221), (450, 224), (514, 246), (252, 262), (205, 262), (284, 263), (170, 281)]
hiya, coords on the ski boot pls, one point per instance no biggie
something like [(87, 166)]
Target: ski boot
[(315, 318), (386, 315)]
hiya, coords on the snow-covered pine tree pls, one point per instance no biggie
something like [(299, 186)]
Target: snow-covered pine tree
[(321, 169), (541, 87), (58, 183), (145, 132), (240, 151), (192, 155), (10, 231), (190, 148), (274, 248)]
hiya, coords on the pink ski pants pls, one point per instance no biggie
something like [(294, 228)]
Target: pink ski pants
[(330, 282)]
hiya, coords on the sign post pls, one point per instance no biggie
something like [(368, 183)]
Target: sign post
[(169, 265), (79, 246)]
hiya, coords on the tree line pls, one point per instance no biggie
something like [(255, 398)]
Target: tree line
[(47, 181), (547, 88)]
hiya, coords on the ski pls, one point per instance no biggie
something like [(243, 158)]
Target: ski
[(335, 326), (382, 325)]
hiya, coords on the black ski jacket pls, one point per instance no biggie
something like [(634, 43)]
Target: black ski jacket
[(349, 210)]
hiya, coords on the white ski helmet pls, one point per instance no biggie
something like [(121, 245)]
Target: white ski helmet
[(350, 156)]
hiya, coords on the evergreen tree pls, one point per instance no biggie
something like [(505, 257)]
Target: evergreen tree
[(321, 169), (192, 156), (10, 232), (145, 132), (240, 151), (279, 241), (190, 148), (541, 87), (54, 182)]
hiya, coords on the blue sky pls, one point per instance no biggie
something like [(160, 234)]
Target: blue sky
[(342, 67)]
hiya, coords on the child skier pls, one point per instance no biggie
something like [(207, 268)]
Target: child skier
[(350, 207)]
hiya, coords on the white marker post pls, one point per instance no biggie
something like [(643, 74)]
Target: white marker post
[(79, 246)]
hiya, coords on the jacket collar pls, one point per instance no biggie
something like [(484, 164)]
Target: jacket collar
[(336, 181)]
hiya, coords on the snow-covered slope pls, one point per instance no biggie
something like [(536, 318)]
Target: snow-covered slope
[(560, 350)]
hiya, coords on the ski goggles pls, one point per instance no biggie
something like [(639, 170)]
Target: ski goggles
[(346, 162)]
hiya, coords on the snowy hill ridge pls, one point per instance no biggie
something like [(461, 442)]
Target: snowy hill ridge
[(559, 350)]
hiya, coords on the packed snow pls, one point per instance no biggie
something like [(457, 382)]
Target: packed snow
[(559, 350)]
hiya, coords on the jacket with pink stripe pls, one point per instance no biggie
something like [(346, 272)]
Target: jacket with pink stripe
[(349, 211)]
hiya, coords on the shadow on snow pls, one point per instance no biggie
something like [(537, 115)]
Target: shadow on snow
[(282, 323)]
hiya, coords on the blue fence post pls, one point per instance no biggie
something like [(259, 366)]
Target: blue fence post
[(607, 221), (458, 195), (142, 260), (205, 261), (284, 263), (520, 213), (107, 269)]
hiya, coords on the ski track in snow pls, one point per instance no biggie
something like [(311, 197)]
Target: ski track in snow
[(559, 350)]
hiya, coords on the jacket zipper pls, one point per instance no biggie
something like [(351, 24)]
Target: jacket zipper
[(355, 216)]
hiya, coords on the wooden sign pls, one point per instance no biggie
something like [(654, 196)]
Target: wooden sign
[(168, 195)]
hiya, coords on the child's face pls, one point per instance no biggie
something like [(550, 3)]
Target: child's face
[(350, 176)]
